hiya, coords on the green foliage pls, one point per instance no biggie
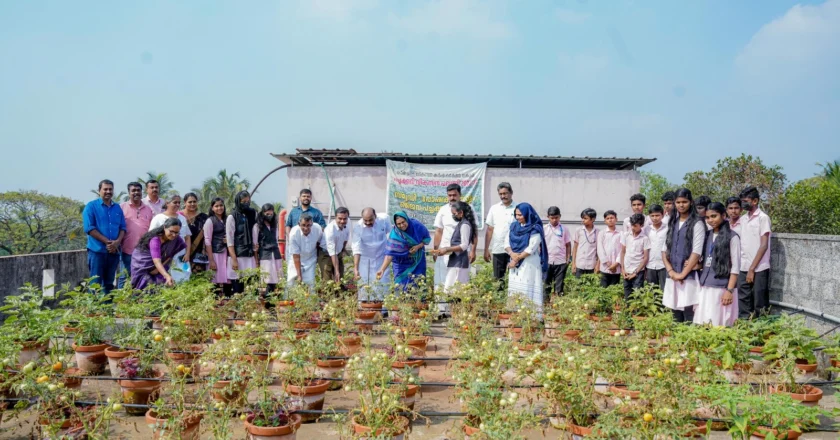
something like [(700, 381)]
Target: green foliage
[(167, 186), (831, 172), (27, 319), (32, 222), (810, 206), (654, 185), (224, 185)]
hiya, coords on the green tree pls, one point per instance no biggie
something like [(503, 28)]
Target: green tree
[(33, 222), (831, 171), (654, 185), (122, 196), (224, 185), (810, 206), (731, 175), (167, 186)]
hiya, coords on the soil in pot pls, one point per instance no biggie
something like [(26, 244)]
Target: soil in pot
[(310, 397), (287, 432), (91, 359), (115, 355), (397, 433), (140, 392), (190, 428)]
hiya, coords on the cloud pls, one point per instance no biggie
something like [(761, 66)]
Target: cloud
[(569, 16), (446, 18), (801, 46), (339, 10)]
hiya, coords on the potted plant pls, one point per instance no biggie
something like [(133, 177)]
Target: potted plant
[(90, 315), (139, 378), (300, 378), (272, 419), (792, 349), (645, 302), (32, 324)]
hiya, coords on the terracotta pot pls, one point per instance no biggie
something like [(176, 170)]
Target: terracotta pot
[(72, 379), (371, 305), (310, 397), (156, 324), (409, 396), (469, 431), (622, 391), (811, 395), (140, 392), (700, 430), (576, 430), (399, 366), (91, 359), (835, 362), (400, 422), (331, 369), (420, 343), (366, 319), (223, 391), (805, 367), (189, 431), (505, 319), (571, 335), (115, 355), (349, 345), (617, 331), (762, 432), (188, 360), (277, 432), (32, 351), (597, 318), (260, 362), (306, 325)]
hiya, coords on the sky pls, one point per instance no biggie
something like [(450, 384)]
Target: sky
[(103, 89)]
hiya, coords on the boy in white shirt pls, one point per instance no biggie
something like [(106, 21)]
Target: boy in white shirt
[(657, 233), (635, 251)]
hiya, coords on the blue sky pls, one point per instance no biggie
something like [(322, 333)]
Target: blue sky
[(112, 89)]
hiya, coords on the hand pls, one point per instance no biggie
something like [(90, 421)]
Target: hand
[(726, 299), (751, 276), (472, 256), (379, 274), (111, 246), (573, 267), (487, 255), (613, 267), (416, 248), (213, 265), (356, 274), (673, 275), (630, 276), (234, 263), (512, 264), (169, 281), (337, 277)]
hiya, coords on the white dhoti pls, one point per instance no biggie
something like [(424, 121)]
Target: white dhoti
[(370, 288), (308, 269)]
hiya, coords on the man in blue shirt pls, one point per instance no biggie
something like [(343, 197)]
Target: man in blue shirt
[(104, 225), (305, 199)]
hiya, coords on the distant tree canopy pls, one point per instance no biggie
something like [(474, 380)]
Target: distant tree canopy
[(810, 206), (654, 186), (32, 222)]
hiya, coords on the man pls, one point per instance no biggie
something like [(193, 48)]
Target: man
[(499, 218), (305, 202), (733, 213), (333, 243), (104, 225), (637, 206), (303, 242), (370, 235), (754, 283), (138, 217), (668, 204), (153, 199), (444, 227)]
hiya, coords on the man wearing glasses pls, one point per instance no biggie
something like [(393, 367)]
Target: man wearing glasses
[(138, 218)]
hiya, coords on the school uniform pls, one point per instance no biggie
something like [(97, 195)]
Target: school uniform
[(655, 272), (634, 252), (626, 227), (556, 239), (755, 297), (587, 253), (268, 252), (681, 297), (709, 309), (609, 253)]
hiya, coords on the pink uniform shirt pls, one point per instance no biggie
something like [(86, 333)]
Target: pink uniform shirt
[(751, 229), (609, 250), (634, 250), (586, 252), (137, 221), (556, 239)]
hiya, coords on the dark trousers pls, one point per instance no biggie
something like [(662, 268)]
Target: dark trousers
[(656, 276), (580, 272), (609, 279), (635, 283), (686, 315), (237, 286), (753, 299), (500, 263), (124, 270), (103, 268), (554, 281), (325, 264)]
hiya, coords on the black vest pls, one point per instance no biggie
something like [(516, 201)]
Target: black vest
[(679, 244), (268, 243), (708, 277), (217, 241), (243, 242), (462, 259)]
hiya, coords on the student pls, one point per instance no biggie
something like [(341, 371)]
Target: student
[(266, 248), (656, 273), (668, 206), (559, 242), (464, 237), (240, 241), (609, 251), (722, 258), (585, 254), (702, 203), (754, 282), (733, 213), (637, 205), (214, 244), (635, 252), (683, 249)]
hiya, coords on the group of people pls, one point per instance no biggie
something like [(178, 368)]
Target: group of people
[(711, 262)]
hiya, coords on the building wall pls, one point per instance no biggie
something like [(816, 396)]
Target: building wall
[(60, 267)]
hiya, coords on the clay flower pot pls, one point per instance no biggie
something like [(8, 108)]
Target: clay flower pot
[(762, 432), (469, 431), (409, 396), (140, 392), (350, 345), (91, 359), (287, 432), (418, 345), (115, 355), (397, 433), (187, 360), (32, 351), (72, 379), (577, 430), (227, 391), (190, 428), (399, 366), (311, 397), (366, 319), (621, 390), (805, 367), (810, 396), (331, 369)]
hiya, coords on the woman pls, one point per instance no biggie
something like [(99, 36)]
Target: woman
[(238, 229), (406, 248), (181, 268), (195, 220), (683, 248), (718, 296), (153, 254), (266, 248), (464, 235), (525, 243), (215, 244)]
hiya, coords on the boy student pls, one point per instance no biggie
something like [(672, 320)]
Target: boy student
[(733, 213), (559, 242), (585, 255), (609, 251), (702, 203), (635, 252), (668, 205), (754, 279), (657, 233), (637, 204)]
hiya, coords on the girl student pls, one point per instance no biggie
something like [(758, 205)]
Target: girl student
[(267, 249), (239, 227), (718, 299), (463, 237), (683, 250), (215, 244)]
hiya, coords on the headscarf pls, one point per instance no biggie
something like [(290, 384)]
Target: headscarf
[(244, 212), (400, 242), (520, 234)]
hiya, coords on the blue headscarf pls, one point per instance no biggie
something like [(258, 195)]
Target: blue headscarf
[(520, 234)]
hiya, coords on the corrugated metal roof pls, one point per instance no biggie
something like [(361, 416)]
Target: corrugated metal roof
[(353, 158)]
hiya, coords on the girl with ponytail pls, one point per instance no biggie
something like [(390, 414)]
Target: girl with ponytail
[(683, 250), (721, 264), (463, 237)]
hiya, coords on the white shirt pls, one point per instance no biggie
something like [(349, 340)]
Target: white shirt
[(500, 217), (696, 240), (645, 227), (634, 250), (334, 238), (445, 221), (160, 219), (534, 244), (657, 244), (305, 245), (369, 242), (734, 254)]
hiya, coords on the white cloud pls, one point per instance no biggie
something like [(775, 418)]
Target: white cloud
[(337, 9), (569, 16), (804, 44), (447, 18)]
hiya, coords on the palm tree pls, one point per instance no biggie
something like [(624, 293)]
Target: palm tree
[(121, 197), (831, 171), (167, 187), (224, 185)]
